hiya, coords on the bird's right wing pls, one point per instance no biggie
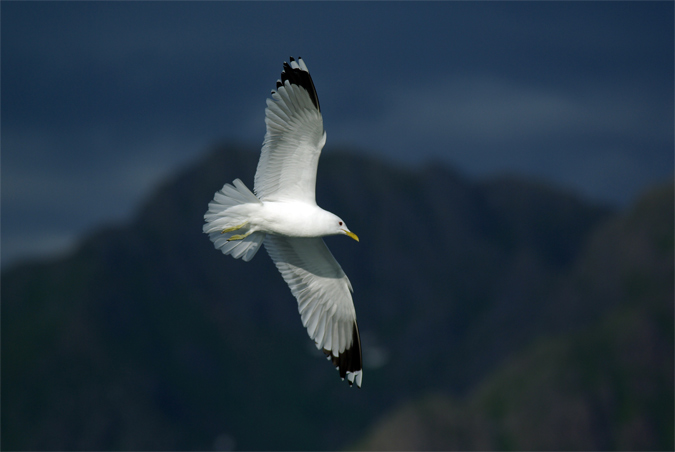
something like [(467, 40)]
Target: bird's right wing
[(294, 139), (324, 299)]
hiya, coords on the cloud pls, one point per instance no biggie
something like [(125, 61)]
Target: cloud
[(57, 185), (597, 139), (102, 100), (24, 246), (486, 110)]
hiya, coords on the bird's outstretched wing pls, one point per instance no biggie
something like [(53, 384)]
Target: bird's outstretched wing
[(324, 299), (294, 139)]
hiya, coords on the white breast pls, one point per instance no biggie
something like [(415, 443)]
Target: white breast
[(294, 219)]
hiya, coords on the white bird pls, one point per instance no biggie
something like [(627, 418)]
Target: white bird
[(283, 215)]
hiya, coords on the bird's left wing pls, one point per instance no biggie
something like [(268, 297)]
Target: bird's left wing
[(294, 139), (324, 299)]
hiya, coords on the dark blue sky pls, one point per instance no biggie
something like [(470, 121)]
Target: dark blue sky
[(100, 101)]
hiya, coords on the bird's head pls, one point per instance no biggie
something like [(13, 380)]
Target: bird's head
[(340, 227)]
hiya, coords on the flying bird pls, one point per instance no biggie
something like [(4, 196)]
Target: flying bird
[(283, 215)]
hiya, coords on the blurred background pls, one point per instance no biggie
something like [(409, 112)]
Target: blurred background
[(507, 166)]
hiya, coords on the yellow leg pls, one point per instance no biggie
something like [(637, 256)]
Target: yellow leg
[(240, 236), (234, 228)]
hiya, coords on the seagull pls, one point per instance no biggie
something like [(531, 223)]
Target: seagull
[(283, 215)]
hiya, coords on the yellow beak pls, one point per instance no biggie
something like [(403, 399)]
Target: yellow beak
[(352, 235)]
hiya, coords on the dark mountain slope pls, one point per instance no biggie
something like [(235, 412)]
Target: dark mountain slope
[(148, 338), (604, 384)]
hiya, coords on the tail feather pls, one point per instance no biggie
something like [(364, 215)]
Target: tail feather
[(245, 248), (227, 211)]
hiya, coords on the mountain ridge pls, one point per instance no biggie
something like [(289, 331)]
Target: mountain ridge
[(175, 345), (606, 384)]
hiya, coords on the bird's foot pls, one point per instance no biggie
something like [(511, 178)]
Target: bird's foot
[(239, 236), (226, 230)]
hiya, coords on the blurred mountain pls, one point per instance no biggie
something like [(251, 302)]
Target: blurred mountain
[(605, 384), (146, 337)]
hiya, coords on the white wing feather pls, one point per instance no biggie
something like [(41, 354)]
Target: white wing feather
[(324, 298), (292, 146)]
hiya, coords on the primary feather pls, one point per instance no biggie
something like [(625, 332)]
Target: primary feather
[(294, 139)]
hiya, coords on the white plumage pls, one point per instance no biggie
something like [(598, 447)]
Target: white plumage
[(283, 215)]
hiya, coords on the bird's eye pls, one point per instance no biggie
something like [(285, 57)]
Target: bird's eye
[(340, 222)]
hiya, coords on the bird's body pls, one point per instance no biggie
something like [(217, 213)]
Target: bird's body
[(283, 215), (290, 219)]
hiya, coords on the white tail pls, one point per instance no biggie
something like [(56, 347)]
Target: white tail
[(227, 222)]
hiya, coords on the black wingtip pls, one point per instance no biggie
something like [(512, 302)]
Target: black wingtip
[(349, 360), (299, 77)]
